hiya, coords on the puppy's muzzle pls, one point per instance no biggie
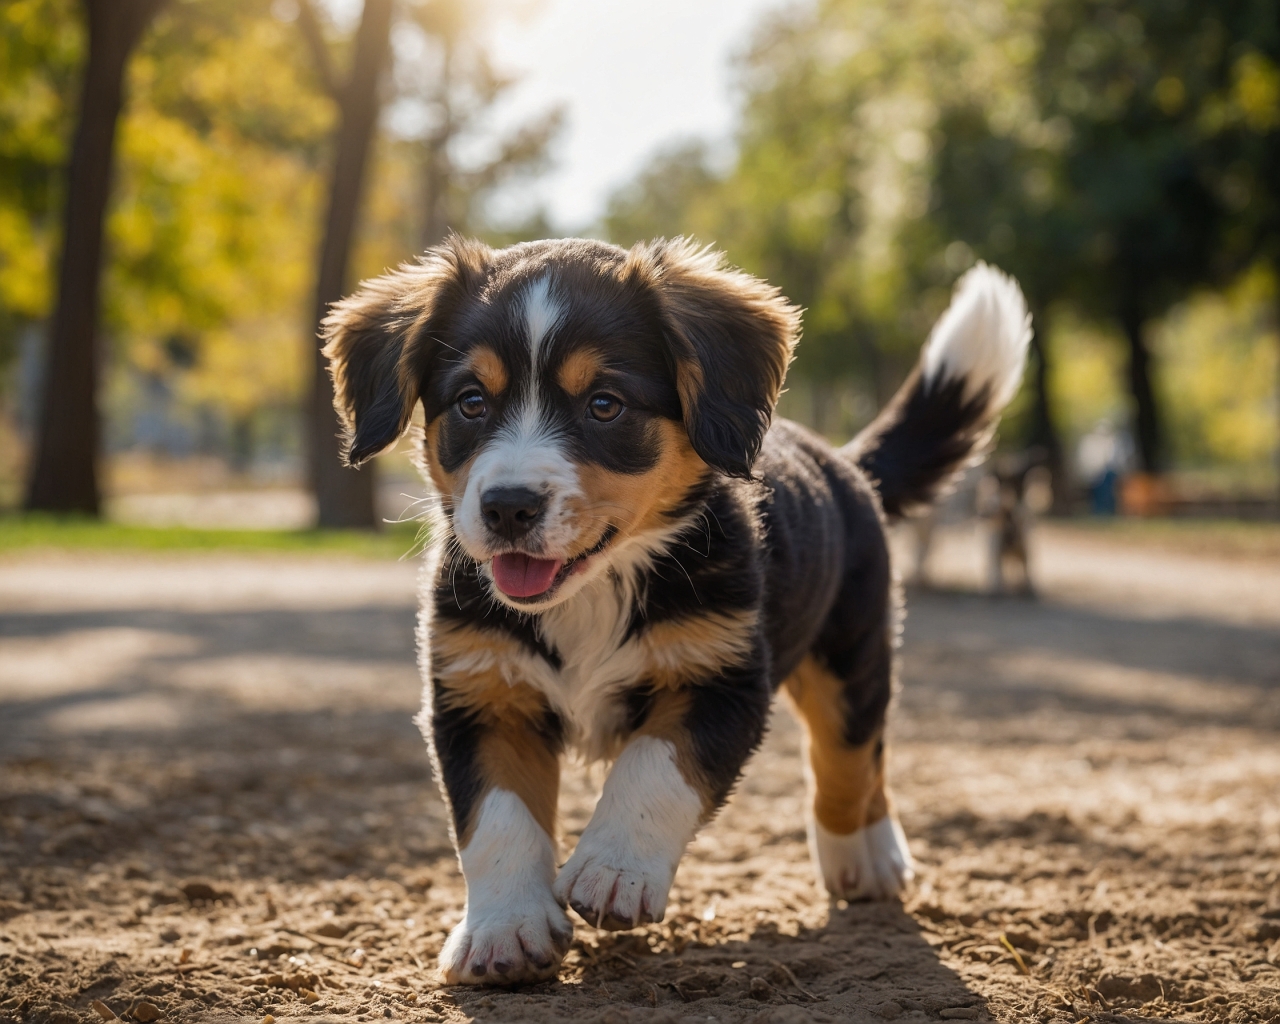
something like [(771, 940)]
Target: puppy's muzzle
[(512, 513)]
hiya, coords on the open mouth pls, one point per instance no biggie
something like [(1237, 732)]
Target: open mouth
[(525, 577)]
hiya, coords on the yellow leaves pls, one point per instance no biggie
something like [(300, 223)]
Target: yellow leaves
[(1170, 94), (1256, 91), (1218, 369), (213, 225), (24, 265), (249, 365), (1086, 368)]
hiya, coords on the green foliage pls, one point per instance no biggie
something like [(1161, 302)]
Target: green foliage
[(839, 109), (1116, 188), (41, 46), (1115, 155)]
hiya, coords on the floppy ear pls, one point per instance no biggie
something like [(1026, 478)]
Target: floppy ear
[(731, 337), (381, 342)]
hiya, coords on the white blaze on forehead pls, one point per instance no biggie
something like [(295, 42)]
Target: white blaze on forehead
[(528, 450), (542, 314)]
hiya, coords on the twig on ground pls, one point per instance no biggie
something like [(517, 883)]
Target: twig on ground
[(794, 980), (1022, 964)]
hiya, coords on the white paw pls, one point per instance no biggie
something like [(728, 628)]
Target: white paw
[(621, 872), (523, 941), (613, 888), (513, 929), (872, 863)]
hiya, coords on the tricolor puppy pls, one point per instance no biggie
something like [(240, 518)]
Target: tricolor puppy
[(630, 561)]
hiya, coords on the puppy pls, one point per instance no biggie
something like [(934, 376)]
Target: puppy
[(630, 560)]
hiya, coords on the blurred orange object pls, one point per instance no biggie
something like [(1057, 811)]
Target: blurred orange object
[(1144, 494)]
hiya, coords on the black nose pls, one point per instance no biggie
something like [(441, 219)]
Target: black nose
[(511, 512)]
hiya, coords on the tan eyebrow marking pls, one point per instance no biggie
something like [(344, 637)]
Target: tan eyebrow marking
[(578, 370), (490, 370)]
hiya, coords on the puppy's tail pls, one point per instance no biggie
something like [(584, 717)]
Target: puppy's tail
[(942, 418)]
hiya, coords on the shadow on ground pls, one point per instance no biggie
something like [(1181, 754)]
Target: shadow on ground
[(228, 812)]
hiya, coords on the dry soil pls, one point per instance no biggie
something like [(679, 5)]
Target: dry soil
[(214, 806)]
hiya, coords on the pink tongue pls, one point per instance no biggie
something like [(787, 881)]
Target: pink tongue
[(519, 575)]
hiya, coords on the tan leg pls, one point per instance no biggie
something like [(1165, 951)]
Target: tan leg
[(856, 842)]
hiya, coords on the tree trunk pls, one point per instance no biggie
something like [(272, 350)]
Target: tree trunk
[(64, 467), (345, 497), (1148, 435), (1275, 311), (437, 169), (1043, 432)]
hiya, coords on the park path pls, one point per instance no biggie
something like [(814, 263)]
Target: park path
[(210, 790)]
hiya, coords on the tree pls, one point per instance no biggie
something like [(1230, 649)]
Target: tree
[(1116, 190), (838, 112), (64, 474), (455, 91), (344, 496), (41, 56)]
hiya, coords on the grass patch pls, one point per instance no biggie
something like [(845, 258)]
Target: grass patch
[(1230, 538), (53, 533)]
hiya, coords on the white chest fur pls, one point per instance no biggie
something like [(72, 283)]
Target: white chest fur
[(593, 658), (597, 662)]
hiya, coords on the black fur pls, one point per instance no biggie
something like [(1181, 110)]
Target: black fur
[(780, 530), (922, 439)]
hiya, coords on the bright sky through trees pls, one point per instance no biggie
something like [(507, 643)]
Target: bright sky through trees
[(634, 75)]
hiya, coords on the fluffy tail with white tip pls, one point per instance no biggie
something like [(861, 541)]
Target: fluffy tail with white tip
[(942, 418)]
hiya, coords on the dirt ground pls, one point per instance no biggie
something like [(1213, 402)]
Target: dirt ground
[(214, 806)]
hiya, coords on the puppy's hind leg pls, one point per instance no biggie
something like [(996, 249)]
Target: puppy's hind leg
[(856, 842)]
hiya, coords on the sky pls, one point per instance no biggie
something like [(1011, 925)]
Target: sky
[(633, 75)]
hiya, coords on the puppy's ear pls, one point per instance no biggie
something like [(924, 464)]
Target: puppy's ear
[(731, 337), (381, 341)]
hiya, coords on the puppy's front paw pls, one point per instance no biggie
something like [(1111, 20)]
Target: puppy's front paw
[(872, 863), (504, 945), (614, 888)]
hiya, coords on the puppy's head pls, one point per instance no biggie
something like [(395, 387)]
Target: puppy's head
[(575, 393)]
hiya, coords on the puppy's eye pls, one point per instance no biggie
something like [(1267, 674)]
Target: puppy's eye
[(471, 404), (605, 407)]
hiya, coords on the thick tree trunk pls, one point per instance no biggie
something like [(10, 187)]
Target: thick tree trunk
[(64, 467), (345, 497), (1148, 434)]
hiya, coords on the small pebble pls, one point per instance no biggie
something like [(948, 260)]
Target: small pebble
[(889, 1010), (103, 1010), (145, 1012)]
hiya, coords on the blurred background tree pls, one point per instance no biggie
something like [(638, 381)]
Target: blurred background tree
[(64, 467), (216, 213), (1118, 156)]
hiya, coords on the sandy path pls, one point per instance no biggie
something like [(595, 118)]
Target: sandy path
[(1091, 779)]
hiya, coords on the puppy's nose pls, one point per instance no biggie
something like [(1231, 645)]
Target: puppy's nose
[(511, 512)]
